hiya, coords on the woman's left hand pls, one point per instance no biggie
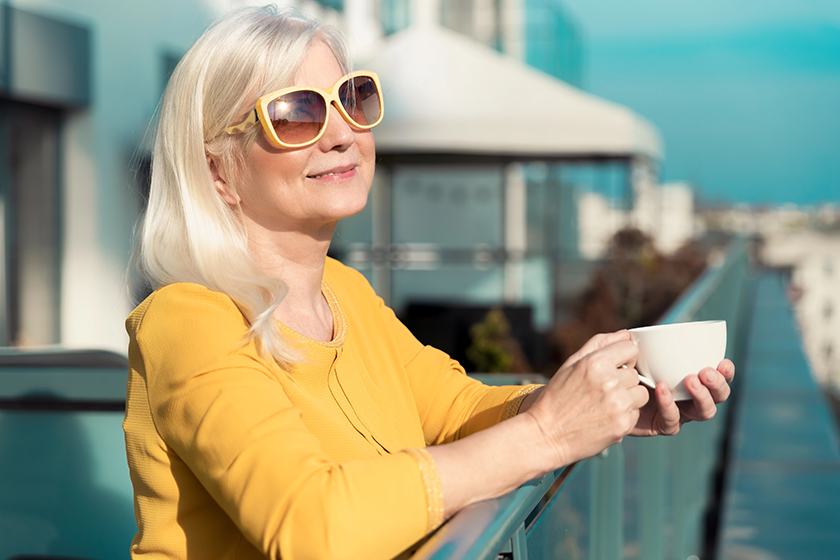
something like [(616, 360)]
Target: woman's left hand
[(663, 416)]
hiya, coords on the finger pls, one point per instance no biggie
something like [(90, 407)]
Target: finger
[(667, 421), (640, 396), (628, 376), (716, 383), (619, 353), (727, 369), (617, 336), (704, 405), (597, 342), (634, 416)]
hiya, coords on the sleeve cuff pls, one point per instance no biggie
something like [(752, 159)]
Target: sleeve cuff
[(431, 480), (515, 401)]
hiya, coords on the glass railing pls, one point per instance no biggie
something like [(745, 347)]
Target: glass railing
[(645, 498)]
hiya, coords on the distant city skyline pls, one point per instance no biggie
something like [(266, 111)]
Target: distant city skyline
[(746, 95)]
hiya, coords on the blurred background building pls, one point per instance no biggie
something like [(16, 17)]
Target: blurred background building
[(804, 243)]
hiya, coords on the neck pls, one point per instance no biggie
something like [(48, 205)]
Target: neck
[(298, 259)]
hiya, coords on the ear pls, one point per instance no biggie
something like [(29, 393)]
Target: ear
[(227, 193)]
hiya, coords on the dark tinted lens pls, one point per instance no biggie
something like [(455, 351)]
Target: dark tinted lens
[(297, 117), (360, 99)]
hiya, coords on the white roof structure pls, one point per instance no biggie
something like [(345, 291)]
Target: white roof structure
[(446, 93)]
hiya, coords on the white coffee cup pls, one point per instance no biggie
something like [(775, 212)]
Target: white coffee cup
[(672, 352)]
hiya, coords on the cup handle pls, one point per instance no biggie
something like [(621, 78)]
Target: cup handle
[(642, 379), (647, 382)]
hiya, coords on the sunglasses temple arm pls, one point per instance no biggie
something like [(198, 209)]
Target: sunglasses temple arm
[(250, 122)]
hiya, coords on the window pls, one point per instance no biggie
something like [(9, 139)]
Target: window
[(395, 15), (30, 230), (337, 5)]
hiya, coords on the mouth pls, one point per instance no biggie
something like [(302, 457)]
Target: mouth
[(336, 171)]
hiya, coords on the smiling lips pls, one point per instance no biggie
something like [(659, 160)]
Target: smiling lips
[(333, 172)]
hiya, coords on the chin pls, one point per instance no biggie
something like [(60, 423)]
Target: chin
[(348, 211), (346, 205)]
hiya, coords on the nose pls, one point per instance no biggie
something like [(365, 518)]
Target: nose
[(339, 135)]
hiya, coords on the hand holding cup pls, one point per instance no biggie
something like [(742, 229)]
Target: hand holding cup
[(670, 353)]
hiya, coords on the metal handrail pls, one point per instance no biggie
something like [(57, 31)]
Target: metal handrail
[(483, 530), (689, 304)]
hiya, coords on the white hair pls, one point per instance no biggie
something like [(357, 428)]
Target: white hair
[(189, 234)]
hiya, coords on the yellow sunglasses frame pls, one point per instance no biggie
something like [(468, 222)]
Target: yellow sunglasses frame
[(259, 114)]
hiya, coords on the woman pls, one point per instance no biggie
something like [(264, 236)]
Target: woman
[(276, 408)]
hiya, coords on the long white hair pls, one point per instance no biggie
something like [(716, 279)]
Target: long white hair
[(189, 234)]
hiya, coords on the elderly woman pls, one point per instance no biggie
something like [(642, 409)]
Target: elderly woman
[(276, 407)]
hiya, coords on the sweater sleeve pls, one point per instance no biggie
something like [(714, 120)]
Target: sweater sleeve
[(223, 411), (450, 404)]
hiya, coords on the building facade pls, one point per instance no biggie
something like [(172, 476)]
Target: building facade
[(813, 261)]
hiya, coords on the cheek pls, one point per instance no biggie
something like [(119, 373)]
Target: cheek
[(267, 175), (367, 148), (367, 145)]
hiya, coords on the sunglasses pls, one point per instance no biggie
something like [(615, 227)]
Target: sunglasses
[(295, 117)]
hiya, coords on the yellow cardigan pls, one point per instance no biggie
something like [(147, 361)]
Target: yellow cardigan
[(233, 457)]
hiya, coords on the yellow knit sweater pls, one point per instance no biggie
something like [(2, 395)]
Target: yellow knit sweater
[(233, 457)]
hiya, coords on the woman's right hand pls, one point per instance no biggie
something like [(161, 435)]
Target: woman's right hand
[(592, 401)]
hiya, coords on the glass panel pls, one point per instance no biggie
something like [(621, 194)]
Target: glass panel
[(552, 211), (101, 384), (554, 43), (353, 240), (355, 229), (541, 210), (536, 289), (337, 5), (644, 493), (394, 15), (609, 179), (449, 283), (563, 529), (64, 485), (449, 206)]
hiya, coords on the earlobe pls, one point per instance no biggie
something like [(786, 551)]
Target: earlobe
[(227, 193)]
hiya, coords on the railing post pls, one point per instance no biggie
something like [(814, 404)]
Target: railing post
[(606, 530), (516, 548)]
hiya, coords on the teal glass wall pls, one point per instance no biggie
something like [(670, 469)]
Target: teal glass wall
[(337, 5), (64, 486), (553, 41), (395, 15), (444, 219)]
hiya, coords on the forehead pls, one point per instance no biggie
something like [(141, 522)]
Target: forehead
[(320, 67)]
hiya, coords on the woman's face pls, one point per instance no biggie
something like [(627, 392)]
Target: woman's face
[(310, 188)]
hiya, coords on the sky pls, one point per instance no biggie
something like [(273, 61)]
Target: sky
[(745, 93)]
